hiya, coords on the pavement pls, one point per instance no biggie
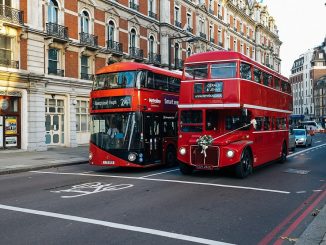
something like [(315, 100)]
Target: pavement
[(16, 161)]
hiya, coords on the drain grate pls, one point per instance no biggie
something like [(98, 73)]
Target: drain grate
[(296, 171)]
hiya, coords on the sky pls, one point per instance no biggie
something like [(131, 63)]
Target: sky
[(301, 25)]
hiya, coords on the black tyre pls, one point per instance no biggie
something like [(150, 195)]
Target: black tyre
[(170, 157), (185, 169), (244, 167), (284, 153)]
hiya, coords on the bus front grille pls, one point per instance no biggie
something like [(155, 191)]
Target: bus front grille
[(198, 158)]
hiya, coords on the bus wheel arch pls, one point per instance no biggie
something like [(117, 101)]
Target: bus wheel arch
[(245, 166), (170, 155)]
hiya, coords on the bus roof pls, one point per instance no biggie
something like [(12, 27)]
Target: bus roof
[(132, 66), (214, 56)]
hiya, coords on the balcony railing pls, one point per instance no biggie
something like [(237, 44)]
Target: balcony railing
[(203, 35), (177, 23), (115, 47), (58, 31), (136, 53), (178, 63), (86, 76), (134, 6), (56, 72), (11, 15), (152, 15), (189, 29), (88, 39), (9, 63), (154, 58)]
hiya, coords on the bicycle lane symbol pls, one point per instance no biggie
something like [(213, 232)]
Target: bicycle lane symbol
[(91, 188)]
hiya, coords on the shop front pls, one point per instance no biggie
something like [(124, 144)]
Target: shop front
[(10, 122)]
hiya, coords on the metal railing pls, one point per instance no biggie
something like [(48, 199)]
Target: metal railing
[(9, 63), (154, 58), (56, 72), (152, 14), (136, 53), (114, 46), (178, 24), (11, 15), (55, 30), (134, 6), (189, 29), (203, 35), (86, 76), (178, 63), (88, 39)]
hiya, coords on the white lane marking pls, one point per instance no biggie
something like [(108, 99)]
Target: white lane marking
[(300, 192), (166, 180), (318, 141), (115, 225), (160, 173), (91, 188), (300, 152), (317, 190)]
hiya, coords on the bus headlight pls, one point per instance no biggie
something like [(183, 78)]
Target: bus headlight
[(182, 151), (90, 156), (230, 153), (132, 157)]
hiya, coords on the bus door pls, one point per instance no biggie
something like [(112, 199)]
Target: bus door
[(152, 138)]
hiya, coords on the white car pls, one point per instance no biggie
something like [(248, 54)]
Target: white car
[(302, 137)]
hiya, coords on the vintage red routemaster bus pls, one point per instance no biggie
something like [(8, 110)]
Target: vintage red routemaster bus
[(233, 112), (133, 111)]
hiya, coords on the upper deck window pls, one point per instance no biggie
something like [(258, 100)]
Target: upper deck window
[(197, 71), (223, 70), (245, 71), (124, 79), (257, 75)]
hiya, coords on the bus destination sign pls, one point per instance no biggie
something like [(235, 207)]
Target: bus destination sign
[(208, 90), (111, 102)]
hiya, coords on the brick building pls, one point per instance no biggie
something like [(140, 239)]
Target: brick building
[(51, 49)]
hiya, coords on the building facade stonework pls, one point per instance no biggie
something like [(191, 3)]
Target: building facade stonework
[(51, 49)]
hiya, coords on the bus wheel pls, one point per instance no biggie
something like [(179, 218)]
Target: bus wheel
[(244, 167), (284, 154), (185, 169), (170, 157)]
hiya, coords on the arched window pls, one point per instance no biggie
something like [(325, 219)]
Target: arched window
[(151, 45), (189, 52), (84, 22), (111, 33), (132, 38), (53, 12)]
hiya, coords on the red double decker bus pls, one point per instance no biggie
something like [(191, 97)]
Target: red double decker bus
[(234, 111), (133, 111)]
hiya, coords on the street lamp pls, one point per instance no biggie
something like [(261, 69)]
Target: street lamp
[(191, 39)]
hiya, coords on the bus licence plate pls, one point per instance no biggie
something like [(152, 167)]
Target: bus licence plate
[(108, 162), (205, 167)]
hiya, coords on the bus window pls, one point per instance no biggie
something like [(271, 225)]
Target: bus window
[(191, 121), (257, 75), (197, 71), (259, 125), (150, 80), (285, 86), (266, 123), (267, 79), (245, 71), (169, 125), (161, 82), (223, 70), (125, 79), (211, 119), (174, 84), (277, 83)]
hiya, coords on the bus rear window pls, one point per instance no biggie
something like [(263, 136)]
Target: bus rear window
[(191, 121), (223, 70), (196, 71)]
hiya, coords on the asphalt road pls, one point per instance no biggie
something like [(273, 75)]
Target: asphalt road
[(83, 204)]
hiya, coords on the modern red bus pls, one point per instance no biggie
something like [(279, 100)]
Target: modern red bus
[(233, 112), (133, 109)]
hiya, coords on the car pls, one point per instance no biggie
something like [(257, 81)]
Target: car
[(292, 143), (302, 137)]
